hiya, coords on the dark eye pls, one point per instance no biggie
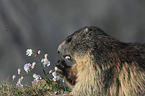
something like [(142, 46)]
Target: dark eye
[(69, 39), (90, 29)]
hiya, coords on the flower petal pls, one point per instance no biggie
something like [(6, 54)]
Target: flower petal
[(29, 52)]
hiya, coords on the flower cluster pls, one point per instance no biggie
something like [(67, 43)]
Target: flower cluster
[(29, 52), (36, 77), (45, 61), (55, 77), (19, 82), (28, 67)]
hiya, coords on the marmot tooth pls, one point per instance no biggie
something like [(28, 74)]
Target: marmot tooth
[(67, 57)]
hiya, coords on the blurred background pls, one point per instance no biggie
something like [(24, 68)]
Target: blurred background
[(44, 24)]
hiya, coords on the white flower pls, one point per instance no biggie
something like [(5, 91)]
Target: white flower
[(27, 67), (33, 65), (13, 77), (56, 68), (39, 51), (36, 77), (45, 61), (29, 52), (19, 71), (55, 77), (54, 74), (42, 60), (22, 77), (19, 82), (46, 55), (19, 85), (50, 71)]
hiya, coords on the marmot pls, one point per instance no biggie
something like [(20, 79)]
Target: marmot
[(104, 66)]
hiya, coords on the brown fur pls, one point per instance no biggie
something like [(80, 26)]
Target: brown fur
[(104, 66)]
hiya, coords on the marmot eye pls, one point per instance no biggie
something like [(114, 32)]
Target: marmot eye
[(69, 39), (90, 29)]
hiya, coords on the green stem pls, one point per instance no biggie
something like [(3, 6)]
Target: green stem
[(42, 66)]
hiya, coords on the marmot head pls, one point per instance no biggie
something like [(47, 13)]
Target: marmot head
[(80, 42)]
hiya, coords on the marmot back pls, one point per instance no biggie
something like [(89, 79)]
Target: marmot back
[(104, 66)]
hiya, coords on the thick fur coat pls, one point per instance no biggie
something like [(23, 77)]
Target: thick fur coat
[(104, 66)]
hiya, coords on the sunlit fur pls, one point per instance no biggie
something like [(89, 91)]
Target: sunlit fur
[(87, 77), (128, 81)]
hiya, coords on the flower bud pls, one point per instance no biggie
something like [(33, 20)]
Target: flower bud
[(19, 71)]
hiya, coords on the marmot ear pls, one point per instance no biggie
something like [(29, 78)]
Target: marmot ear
[(88, 31), (90, 28)]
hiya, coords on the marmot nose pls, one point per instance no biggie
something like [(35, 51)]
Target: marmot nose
[(58, 51)]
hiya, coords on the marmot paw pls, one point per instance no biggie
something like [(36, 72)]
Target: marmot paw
[(61, 66)]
